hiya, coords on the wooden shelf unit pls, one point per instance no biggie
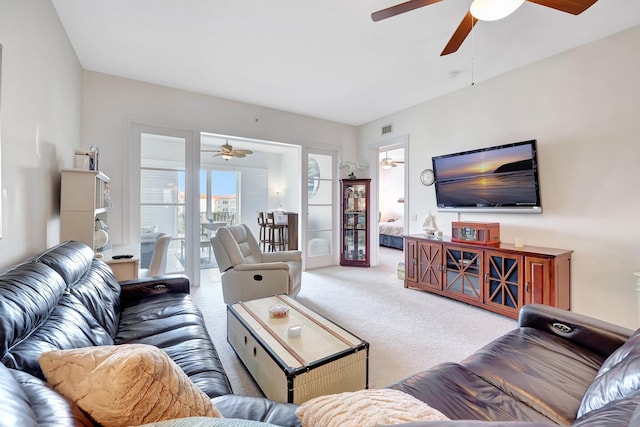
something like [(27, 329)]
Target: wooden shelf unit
[(500, 278), (84, 197)]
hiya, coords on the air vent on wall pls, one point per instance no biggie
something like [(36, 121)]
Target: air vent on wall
[(387, 129)]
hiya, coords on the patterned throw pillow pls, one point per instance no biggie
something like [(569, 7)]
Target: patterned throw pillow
[(123, 385)]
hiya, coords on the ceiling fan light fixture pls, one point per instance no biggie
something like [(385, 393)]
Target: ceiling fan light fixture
[(226, 156), (387, 163), (492, 10)]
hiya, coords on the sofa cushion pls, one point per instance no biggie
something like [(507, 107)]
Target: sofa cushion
[(175, 324), (69, 325), (42, 403), (365, 408), (99, 292), (89, 279), (618, 377), (618, 355), (29, 292), (619, 412), (27, 401), (460, 394), (69, 259), (522, 363), (37, 314), (125, 384)]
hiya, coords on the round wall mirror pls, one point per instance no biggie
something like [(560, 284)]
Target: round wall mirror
[(313, 182)]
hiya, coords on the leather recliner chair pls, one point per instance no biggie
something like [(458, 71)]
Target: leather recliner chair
[(247, 272)]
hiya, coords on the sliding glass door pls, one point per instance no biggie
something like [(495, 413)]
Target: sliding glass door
[(161, 186), (162, 198)]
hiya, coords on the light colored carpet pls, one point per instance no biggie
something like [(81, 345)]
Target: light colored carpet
[(407, 330)]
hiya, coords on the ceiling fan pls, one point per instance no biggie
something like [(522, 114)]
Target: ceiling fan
[(227, 152), (388, 162), (483, 10)]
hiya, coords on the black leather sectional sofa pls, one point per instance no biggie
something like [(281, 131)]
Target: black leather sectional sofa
[(64, 298), (556, 368)]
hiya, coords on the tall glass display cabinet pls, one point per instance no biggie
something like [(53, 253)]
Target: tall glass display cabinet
[(355, 222)]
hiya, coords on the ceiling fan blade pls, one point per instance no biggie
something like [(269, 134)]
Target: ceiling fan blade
[(574, 7), (239, 155), (243, 151), (460, 34), (400, 8)]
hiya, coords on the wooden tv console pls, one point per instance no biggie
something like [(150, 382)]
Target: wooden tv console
[(500, 278)]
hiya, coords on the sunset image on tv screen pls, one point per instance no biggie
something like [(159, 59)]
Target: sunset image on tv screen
[(499, 176)]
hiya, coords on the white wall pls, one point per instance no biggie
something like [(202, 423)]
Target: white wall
[(40, 117), (111, 104), (583, 107)]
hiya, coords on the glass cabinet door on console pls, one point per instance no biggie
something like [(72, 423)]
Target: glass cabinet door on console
[(463, 273), (503, 281), (355, 222)]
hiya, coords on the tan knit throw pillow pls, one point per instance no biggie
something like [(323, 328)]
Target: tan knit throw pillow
[(124, 385), (365, 408)]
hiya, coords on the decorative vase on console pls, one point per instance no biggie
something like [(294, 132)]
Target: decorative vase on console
[(429, 226)]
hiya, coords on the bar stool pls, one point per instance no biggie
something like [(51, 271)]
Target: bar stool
[(262, 237), (275, 233)]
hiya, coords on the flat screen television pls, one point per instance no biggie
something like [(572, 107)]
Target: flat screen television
[(503, 178)]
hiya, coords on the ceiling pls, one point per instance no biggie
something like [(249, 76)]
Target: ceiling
[(322, 58)]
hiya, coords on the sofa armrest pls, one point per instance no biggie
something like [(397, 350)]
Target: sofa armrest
[(594, 334), (136, 289), (282, 256), (262, 266), (257, 409)]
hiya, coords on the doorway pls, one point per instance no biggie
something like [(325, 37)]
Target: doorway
[(219, 195), (175, 189), (391, 173)]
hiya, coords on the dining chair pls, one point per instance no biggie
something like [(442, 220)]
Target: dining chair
[(158, 265)]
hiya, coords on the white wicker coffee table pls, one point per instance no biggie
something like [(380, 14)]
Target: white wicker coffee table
[(323, 359)]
